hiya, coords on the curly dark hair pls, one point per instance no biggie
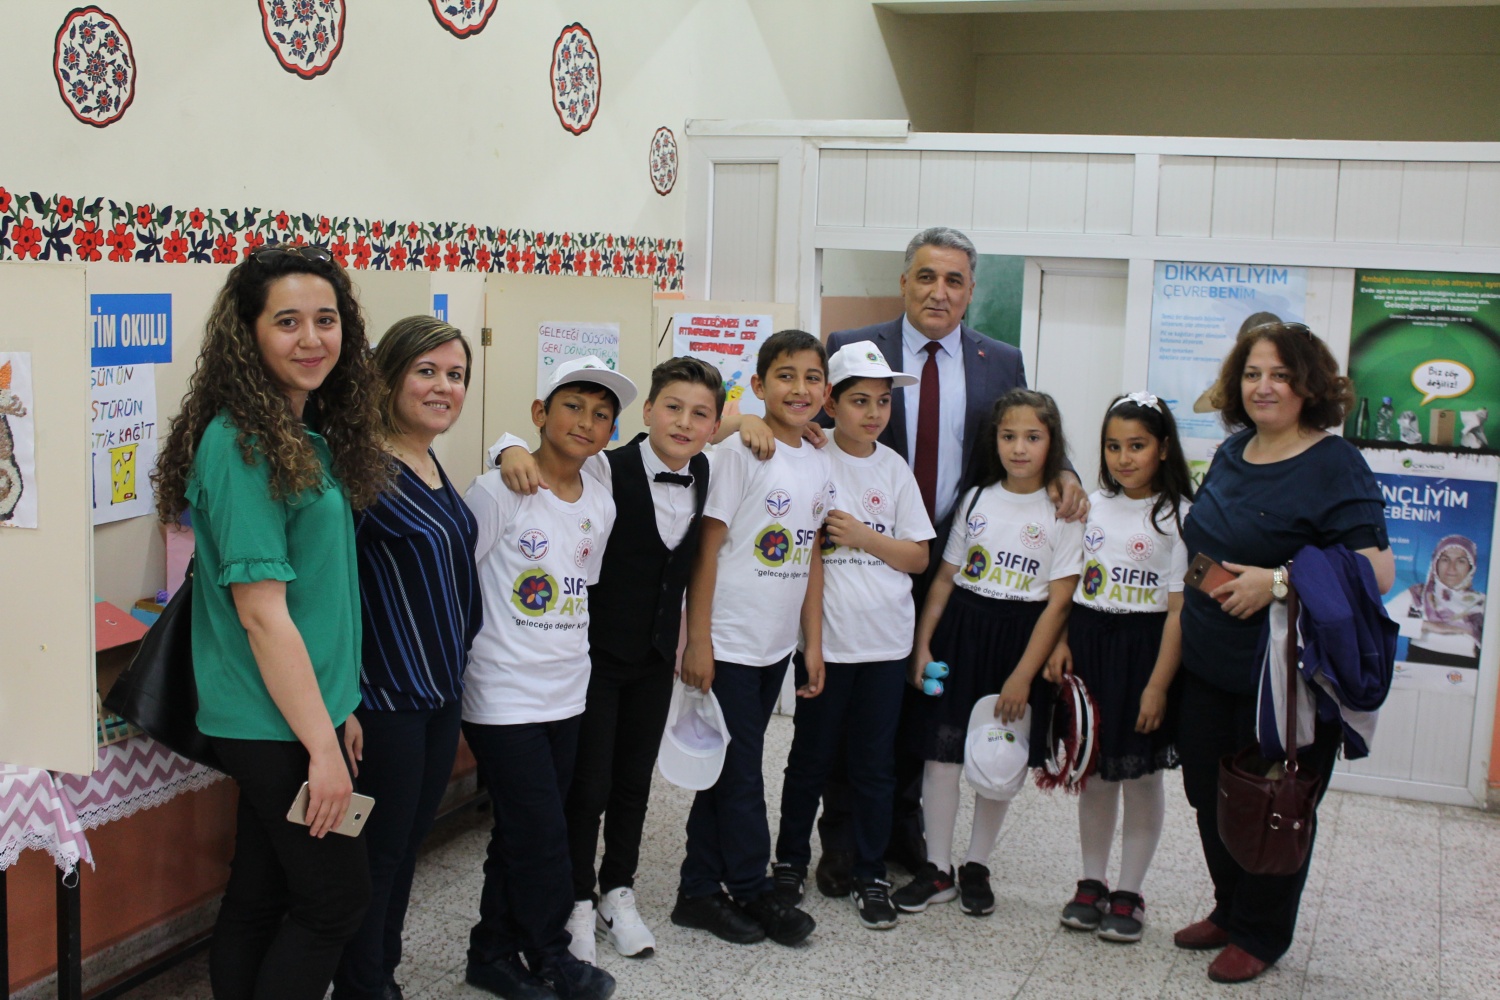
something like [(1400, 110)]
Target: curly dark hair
[(1326, 395), (231, 377)]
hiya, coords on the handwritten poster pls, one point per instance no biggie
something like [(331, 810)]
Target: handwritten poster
[(559, 342), (122, 429), (18, 504), (729, 343)]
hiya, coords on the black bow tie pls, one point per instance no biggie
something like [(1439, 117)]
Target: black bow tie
[(673, 477)]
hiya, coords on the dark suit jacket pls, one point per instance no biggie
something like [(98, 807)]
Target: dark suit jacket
[(991, 369)]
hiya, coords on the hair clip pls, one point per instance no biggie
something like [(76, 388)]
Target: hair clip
[(1146, 399)]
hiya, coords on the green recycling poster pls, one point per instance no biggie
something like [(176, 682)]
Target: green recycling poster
[(1424, 354)]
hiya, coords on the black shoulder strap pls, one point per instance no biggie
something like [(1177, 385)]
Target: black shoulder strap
[(698, 467), (973, 503)]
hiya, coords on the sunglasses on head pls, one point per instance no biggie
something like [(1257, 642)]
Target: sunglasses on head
[(276, 251)]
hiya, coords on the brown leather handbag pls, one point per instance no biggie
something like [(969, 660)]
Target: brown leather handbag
[(1266, 810)]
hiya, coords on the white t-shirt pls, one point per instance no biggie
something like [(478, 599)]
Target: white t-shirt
[(1128, 564), (773, 509), (867, 606), (1012, 545), (537, 556), (672, 502)]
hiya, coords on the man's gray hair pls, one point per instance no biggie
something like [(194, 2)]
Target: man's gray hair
[(948, 239)]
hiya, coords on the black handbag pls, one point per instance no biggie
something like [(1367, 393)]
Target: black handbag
[(158, 691), (1266, 811)]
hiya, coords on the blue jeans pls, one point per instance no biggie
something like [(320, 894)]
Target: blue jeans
[(528, 882), (408, 760), (728, 835), (862, 700)]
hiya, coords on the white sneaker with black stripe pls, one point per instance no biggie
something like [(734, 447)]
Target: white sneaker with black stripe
[(622, 924)]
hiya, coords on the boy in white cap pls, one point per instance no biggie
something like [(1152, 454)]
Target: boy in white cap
[(525, 685), (875, 536)]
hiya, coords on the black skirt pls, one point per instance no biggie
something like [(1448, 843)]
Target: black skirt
[(1114, 654), (981, 639)]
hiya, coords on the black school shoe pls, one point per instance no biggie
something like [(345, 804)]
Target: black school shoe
[(507, 978), (787, 882), (782, 923), (720, 916), (835, 874), (571, 979), (974, 894), (872, 901), (928, 885)]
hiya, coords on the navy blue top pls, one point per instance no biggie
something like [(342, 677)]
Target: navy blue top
[(1260, 515), (419, 594)]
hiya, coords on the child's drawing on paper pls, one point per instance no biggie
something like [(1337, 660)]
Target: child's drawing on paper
[(17, 443)]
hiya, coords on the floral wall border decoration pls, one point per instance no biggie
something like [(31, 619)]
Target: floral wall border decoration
[(94, 65), (80, 228), (663, 161), (575, 78), (307, 51), (463, 18)]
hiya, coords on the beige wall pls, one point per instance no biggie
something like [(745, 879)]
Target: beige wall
[(1395, 74)]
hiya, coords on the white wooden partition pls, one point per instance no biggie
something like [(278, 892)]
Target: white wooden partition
[(1328, 206)]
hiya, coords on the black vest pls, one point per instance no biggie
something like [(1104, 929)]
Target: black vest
[(637, 604)]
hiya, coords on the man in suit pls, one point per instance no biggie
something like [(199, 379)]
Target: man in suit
[(939, 426)]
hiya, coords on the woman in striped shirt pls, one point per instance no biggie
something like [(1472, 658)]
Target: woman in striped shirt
[(421, 609)]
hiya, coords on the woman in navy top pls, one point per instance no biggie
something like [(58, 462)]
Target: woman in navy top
[(420, 603), (1278, 484)]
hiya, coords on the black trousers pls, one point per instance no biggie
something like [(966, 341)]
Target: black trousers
[(617, 745), (528, 883), (293, 900), (1259, 911), (408, 760)]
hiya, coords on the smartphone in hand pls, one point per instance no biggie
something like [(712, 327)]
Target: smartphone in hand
[(354, 818), (1206, 575)]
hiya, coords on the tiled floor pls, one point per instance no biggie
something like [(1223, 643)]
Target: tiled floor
[(1403, 901)]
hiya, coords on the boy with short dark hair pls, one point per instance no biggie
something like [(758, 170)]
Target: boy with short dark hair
[(757, 572), (876, 535), (659, 482), (525, 685)]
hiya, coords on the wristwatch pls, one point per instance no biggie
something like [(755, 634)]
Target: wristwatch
[(1278, 583)]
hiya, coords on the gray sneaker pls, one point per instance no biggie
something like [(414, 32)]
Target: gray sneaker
[(1087, 908), (1125, 919)]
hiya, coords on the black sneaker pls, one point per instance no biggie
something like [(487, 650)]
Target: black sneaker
[(571, 979), (782, 923), (506, 977), (930, 885), (835, 874), (1125, 919), (974, 894), (787, 882), (719, 915), (872, 901), (1087, 907)]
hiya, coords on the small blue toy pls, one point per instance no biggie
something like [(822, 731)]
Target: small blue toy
[(932, 678)]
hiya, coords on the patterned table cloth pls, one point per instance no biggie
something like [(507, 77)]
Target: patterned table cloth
[(40, 810)]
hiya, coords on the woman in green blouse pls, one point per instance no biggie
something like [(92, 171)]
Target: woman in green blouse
[(274, 444)]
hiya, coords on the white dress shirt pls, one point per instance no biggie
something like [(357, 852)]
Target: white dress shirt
[(673, 503), (950, 365)]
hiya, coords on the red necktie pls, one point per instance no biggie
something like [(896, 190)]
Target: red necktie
[(928, 413)]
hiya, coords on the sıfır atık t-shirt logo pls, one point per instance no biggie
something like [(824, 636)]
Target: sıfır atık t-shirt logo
[(534, 593), (773, 545), (976, 563)]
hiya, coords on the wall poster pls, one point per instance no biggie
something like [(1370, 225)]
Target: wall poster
[(128, 334), (18, 504), (1440, 513), (1424, 354), (1197, 310), (559, 342), (729, 343)]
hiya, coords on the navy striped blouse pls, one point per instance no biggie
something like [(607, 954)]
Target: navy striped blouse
[(419, 594)]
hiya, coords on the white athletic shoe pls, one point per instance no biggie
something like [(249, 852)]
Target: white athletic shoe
[(621, 922), (581, 929)]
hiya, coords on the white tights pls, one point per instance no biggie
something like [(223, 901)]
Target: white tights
[(940, 791), (1098, 808)]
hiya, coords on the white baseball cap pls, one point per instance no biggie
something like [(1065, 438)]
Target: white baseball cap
[(590, 369), (694, 744), (862, 359), (995, 752)]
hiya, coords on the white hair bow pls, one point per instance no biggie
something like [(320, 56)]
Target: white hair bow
[(1140, 399)]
